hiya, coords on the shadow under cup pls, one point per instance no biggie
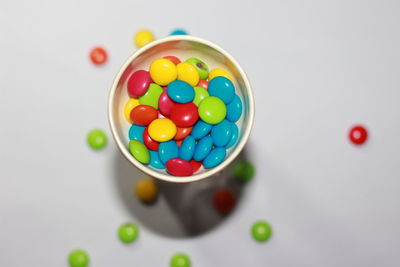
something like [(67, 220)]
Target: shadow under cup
[(183, 47)]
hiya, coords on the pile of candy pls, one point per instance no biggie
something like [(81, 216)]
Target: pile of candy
[(183, 116)]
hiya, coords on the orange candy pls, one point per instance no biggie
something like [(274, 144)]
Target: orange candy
[(98, 55), (181, 133)]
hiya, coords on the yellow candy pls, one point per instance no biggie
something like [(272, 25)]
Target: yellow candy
[(219, 72), (146, 190), (163, 71), (188, 73), (131, 104), (162, 130), (143, 37)]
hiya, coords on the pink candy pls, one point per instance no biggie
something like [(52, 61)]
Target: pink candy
[(165, 104), (138, 83)]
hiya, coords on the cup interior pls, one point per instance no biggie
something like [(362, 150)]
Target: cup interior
[(183, 47)]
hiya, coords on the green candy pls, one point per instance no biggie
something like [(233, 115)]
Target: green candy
[(200, 94), (180, 260), (261, 231), (201, 67), (78, 258), (243, 171), (152, 95), (128, 232), (97, 139), (139, 151), (212, 110)]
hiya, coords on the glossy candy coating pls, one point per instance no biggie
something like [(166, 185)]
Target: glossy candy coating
[(78, 258), (165, 104), (188, 73), (224, 201), (195, 164), (143, 115), (180, 260), (234, 137), (143, 37), (222, 88), (219, 72), (180, 91), (221, 133), (212, 110), (234, 109), (179, 167), (181, 133), (155, 160), (139, 151), (130, 104), (138, 83), (358, 134), (151, 96), (200, 66), (163, 71), (97, 139), (168, 150), (261, 231), (184, 115), (214, 158), (186, 150), (128, 232), (201, 129), (136, 132), (174, 59), (162, 130), (148, 141), (203, 83), (146, 189), (203, 148), (98, 55), (200, 94)]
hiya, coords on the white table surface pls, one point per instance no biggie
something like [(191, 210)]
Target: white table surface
[(317, 67)]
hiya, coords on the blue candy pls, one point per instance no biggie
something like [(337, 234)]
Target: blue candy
[(235, 135), (203, 147), (155, 160), (180, 91), (216, 156), (221, 133), (200, 129), (222, 88), (178, 32), (168, 150), (136, 132), (234, 109), (187, 147)]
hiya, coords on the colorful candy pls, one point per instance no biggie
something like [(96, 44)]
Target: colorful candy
[(78, 258), (181, 132), (165, 104), (136, 132), (162, 130), (222, 88), (212, 110), (138, 83), (180, 91), (184, 115), (214, 158), (219, 72), (188, 73), (168, 150), (234, 109), (146, 190), (201, 129), (143, 37), (152, 95), (221, 133), (143, 115), (186, 150), (195, 165), (179, 167), (203, 147), (180, 260), (358, 135), (155, 160), (175, 60), (130, 104), (261, 231), (163, 71), (224, 201), (178, 32), (128, 232), (98, 55), (97, 139), (234, 137), (201, 67), (203, 83), (139, 151), (200, 94), (148, 141)]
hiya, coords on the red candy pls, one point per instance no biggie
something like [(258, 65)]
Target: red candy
[(358, 135), (181, 133), (195, 165), (174, 60), (203, 83), (165, 104), (179, 167), (184, 115), (138, 83), (179, 143), (224, 201), (150, 143), (143, 115), (98, 55)]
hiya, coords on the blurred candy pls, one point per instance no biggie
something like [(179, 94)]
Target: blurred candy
[(143, 37), (358, 134), (146, 190), (163, 71), (224, 201), (175, 60), (98, 55), (97, 139), (188, 73), (178, 32), (78, 258), (179, 167), (203, 83), (243, 171), (261, 231), (138, 83), (128, 232), (180, 260)]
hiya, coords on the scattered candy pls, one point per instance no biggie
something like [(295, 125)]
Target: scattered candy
[(97, 139), (261, 231), (358, 134), (180, 260), (179, 167), (219, 72), (78, 258), (143, 37), (130, 104), (128, 232), (98, 55), (188, 73), (201, 67), (139, 151), (146, 190), (224, 201), (178, 32), (243, 171)]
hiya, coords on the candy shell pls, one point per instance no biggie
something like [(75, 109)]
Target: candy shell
[(152, 95), (174, 59), (222, 88), (162, 130), (188, 73), (136, 132), (358, 134), (202, 148), (214, 158), (168, 150), (235, 135), (221, 133), (200, 94), (155, 160), (78, 258), (163, 71), (195, 164), (234, 109), (148, 141), (97, 139), (212, 110), (180, 91), (184, 115), (224, 201), (186, 150), (201, 129), (128, 232), (130, 104), (146, 189), (261, 231), (201, 67), (143, 114), (178, 32), (143, 37), (139, 151), (203, 83), (181, 133), (165, 104), (138, 83), (98, 55), (218, 72), (179, 167)]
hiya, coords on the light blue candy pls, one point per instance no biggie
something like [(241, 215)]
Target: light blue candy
[(186, 150), (200, 129), (235, 135), (221, 133), (180, 91), (234, 109), (178, 32), (136, 132), (214, 158), (222, 88), (203, 147), (155, 160), (168, 150)]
